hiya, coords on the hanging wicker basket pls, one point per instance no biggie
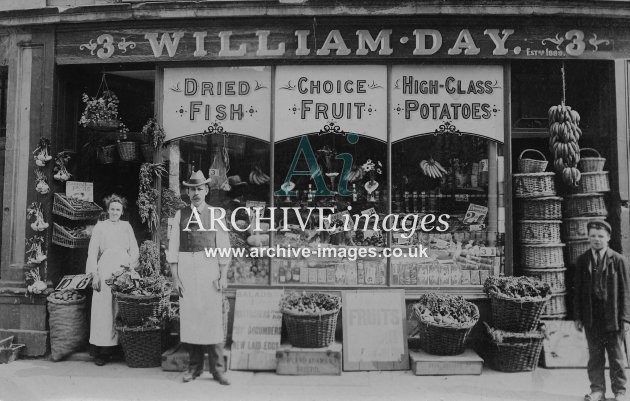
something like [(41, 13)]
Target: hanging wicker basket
[(575, 249), (579, 205), (529, 165), (593, 182), (128, 151), (540, 256), (591, 164), (575, 228), (554, 277), (106, 154), (534, 185), (103, 125), (539, 231), (545, 208)]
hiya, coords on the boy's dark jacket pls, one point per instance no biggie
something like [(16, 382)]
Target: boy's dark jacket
[(617, 291)]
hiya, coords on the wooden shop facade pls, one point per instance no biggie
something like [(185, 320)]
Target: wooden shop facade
[(424, 109)]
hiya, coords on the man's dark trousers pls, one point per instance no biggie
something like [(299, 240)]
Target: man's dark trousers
[(215, 358)]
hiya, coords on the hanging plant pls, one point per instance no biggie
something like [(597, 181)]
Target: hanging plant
[(564, 134), (61, 169), (153, 133), (35, 211), (149, 259), (41, 154), (35, 284), (41, 183), (148, 195), (35, 250), (100, 111)]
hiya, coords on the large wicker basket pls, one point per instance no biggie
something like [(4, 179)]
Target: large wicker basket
[(75, 209), (591, 164), (575, 249), (311, 331), (575, 228), (539, 256), (63, 238), (556, 307), (538, 231), (545, 208), (593, 182), (534, 185), (554, 277), (68, 326), (128, 151), (142, 346), (580, 205), (515, 352), (529, 165), (516, 314), (133, 309), (443, 339)]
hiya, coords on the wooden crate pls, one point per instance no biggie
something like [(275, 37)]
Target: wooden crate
[(423, 364), (309, 361)]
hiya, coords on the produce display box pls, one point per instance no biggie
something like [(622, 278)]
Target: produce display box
[(176, 359), (293, 361), (423, 364)]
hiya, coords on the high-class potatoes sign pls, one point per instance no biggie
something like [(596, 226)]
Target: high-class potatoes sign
[(217, 100), (447, 100), (331, 99)]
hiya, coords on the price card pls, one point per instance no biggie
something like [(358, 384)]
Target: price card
[(475, 214), (213, 172), (477, 227), (487, 251), (74, 282), (80, 190)]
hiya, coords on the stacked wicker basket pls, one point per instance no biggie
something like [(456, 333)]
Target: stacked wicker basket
[(584, 204), (539, 214)]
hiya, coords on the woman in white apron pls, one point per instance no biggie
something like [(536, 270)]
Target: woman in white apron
[(113, 244)]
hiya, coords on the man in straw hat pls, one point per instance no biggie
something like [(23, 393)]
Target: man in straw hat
[(601, 307), (199, 280)]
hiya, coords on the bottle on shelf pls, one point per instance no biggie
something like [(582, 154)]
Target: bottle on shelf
[(295, 273), (406, 204), (282, 275), (355, 195), (414, 201), (423, 202)]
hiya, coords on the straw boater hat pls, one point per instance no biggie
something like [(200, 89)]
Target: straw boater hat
[(197, 178), (235, 181)]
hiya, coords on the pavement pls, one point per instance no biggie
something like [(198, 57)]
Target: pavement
[(81, 380)]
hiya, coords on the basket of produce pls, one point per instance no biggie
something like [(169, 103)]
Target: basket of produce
[(142, 345), (9, 351), (147, 152), (575, 228), (68, 323), (444, 323), (556, 307), (545, 208), (75, 209), (589, 164), (514, 352), (530, 165), (310, 319), (106, 154), (580, 205), (554, 277), (593, 182), (127, 150), (139, 297), (71, 237), (538, 231), (534, 185), (517, 302), (538, 256), (575, 249)]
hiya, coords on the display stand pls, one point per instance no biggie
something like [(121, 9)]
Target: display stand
[(424, 364)]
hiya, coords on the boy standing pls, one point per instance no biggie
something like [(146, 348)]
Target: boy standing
[(602, 307)]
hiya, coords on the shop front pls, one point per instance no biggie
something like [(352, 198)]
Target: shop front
[(363, 143)]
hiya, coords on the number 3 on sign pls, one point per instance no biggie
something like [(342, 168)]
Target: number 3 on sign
[(577, 45)]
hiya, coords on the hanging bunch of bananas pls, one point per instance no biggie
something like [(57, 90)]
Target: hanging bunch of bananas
[(257, 175), (432, 168), (564, 134)]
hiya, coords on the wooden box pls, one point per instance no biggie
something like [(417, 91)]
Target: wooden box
[(423, 364), (309, 361)]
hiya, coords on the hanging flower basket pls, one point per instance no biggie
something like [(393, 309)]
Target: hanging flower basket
[(103, 125)]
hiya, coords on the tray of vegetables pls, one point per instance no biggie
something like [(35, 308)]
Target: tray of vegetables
[(517, 302), (444, 323), (310, 319)]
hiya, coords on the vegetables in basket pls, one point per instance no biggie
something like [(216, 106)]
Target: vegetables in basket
[(517, 287), (445, 309), (309, 304)]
